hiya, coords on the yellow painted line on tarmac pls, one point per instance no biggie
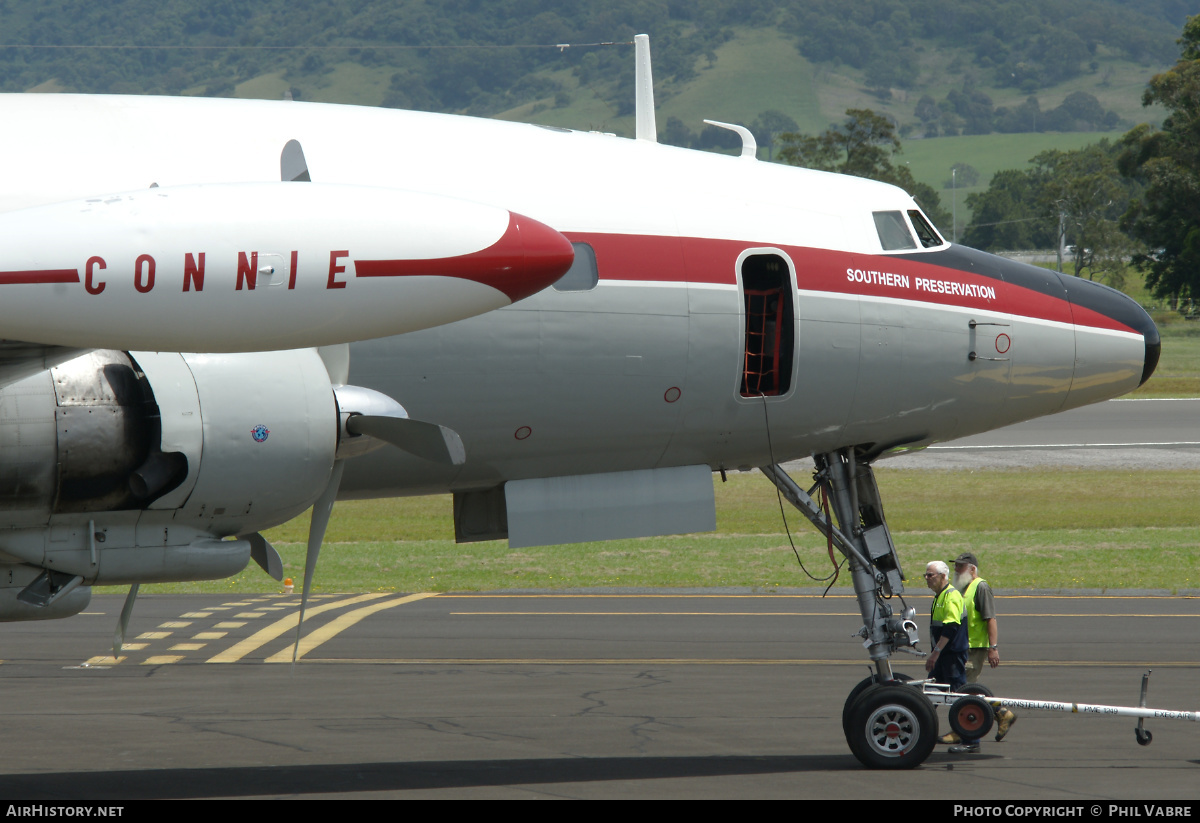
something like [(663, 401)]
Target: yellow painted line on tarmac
[(713, 661), (334, 627), (263, 636), (162, 660), (102, 660), (779, 614), (1093, 614), (644, 596), (702, 661), (768, 595), (663, 614)]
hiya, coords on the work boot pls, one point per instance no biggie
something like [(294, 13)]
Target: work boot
[(966, 748), (949, 737), (1004, 722)]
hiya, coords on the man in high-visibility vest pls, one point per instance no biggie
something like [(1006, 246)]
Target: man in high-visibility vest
[(946, 662), (982, 634)]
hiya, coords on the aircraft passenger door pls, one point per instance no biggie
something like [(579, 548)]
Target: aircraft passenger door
[(769, 326)]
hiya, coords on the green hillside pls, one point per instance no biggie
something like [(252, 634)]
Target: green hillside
[(810, 60), (757, 70), (760, 69)]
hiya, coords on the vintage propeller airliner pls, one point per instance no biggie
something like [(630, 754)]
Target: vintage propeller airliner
[(708, 313)]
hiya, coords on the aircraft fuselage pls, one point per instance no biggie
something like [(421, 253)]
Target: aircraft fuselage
[(653, 365)]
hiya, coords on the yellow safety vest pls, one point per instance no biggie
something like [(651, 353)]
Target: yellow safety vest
[(947, 607), (977, 633)]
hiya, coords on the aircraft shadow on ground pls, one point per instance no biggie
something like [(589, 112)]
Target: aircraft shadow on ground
[(336, 778)]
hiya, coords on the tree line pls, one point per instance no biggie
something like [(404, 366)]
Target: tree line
[(1133, 199), (972, 112)]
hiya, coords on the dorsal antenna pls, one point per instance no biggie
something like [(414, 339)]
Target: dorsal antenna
[(749, 146), (644, 81)]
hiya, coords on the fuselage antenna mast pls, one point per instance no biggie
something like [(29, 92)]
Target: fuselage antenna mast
[(644, 81)]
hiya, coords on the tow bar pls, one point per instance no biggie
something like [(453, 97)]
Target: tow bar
[(973, 708)]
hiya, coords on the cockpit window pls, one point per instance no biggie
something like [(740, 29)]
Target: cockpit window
[(893, 231), (925, 232)]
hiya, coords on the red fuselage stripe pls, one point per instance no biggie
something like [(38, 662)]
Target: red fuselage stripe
[(40, 276), (700, 260)]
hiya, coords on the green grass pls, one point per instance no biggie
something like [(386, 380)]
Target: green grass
[(1178, 372), (1042, 529)]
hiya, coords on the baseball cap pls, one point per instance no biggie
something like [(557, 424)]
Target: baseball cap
[(967, 557)]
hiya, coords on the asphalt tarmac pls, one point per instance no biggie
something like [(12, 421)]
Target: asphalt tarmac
[(1160, 434), (629, 695), (619, 695)]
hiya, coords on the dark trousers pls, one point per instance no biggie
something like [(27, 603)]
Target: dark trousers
[(951, 667)]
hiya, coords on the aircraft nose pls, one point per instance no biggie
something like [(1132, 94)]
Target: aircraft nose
[(1153, 350), (1098, 306)]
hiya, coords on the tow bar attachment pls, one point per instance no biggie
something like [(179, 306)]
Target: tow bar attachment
[(972, 710)]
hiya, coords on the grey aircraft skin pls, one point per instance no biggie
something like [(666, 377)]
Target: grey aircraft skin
[(588, 372), (722, 313)]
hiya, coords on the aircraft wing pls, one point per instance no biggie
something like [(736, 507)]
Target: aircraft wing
[(19, 359)]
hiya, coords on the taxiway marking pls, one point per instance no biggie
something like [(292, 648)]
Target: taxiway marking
[(660, 614), (701, 661), (263, 636), (776, 614), (315, 638), (638, 596)]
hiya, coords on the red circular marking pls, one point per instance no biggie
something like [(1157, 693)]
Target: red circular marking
[(522, 432), (672, 394), (1003, 342), (892, 730), (970, 720)]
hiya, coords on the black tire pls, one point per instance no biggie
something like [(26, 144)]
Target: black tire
[(857, 691), (971, 717), (892, 727), (976, 688)]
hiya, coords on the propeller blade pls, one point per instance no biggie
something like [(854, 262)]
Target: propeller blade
[(322, 509), (293, 168), (123, 622), (427, 440), (264, 554)]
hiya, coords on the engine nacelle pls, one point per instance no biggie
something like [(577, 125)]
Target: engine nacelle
[(131, 467)]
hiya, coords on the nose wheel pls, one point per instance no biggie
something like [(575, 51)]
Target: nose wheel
[(891, 727)]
